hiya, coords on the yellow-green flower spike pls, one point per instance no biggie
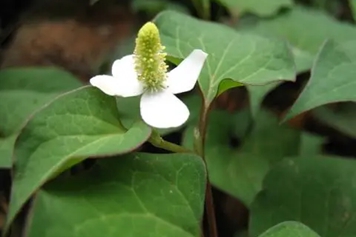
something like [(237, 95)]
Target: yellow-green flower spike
[(149, 58)]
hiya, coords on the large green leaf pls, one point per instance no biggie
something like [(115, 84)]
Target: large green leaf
[(289, 229), (318, 192), (257, 95), (235, 173), (260, 8), (6, 149), (341, 118), (240, 172), (332, 79), (271, 140), (134, 195), (77, 125), (243, 58), (311, 144), (23, 90), (305, 30)]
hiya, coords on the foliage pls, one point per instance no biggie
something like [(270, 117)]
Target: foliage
[(93, 168)]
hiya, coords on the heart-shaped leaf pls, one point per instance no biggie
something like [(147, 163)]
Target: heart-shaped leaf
[(290, 229), (237, 174), (341, 118), (77, 125), (316, 191), (305, 41), (240, 171), (257, 94), (243, 58), (134, 195), (23, 91), (260, 8), (311, 144), (6, 148), (332, 79), (271, 140)]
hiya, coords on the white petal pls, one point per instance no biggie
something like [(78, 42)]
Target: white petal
[(123, 82), (107, 84), (124, 67), (115, 87), (185, 75), (163, 110)]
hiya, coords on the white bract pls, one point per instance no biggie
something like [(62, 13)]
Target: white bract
[(159, 107)]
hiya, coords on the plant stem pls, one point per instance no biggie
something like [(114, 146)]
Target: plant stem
[(157, 141), (200, 148), (206, 9), (210, 210), (203, 8)]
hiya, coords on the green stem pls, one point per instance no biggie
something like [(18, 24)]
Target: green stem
[(203, 8), (200, 135), (157, 141), (206, 9)]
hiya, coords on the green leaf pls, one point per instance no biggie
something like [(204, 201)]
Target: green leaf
[(332, 78), (305, 41), (289, 229), (134, 195), (24, 90), (79, 124), (240, 172), (263, 9), (341, 118), (353, 7), (194, 103), (241, 124), (6, 149), (243, 58), (310, 144), (257, 94), (271, 140), (317, 192), (226, 85)]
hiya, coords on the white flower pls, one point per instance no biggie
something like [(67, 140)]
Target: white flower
[(159, 108), (145, 73)]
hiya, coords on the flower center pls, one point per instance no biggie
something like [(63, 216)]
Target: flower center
[(150, 59)]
